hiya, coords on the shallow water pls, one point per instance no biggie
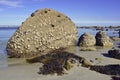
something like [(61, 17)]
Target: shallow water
[(5, 34)]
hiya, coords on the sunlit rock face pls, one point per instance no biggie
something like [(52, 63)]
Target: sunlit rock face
[(87, 40), (43, 31), (103, 40)]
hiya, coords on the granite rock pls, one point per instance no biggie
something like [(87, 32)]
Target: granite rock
[(43, 31)]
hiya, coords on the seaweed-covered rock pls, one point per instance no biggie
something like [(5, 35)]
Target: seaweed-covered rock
[(59, 62), (115, 78), (111, 69), (103, 40), (86, 40), (115, 53), (43, 31)]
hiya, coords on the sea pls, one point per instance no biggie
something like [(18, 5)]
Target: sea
[(6, 33)]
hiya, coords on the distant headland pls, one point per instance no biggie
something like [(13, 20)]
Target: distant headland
[(9, 26)]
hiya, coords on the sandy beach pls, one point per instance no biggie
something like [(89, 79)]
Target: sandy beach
[(18, 69), (29, 72), (59, 40)]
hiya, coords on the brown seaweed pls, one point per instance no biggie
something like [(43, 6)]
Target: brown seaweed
[(111, 69), (58, 62)]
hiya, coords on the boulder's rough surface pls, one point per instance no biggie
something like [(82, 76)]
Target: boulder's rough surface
[(86, 40), (43, 31), (103, 40), (115, 53)]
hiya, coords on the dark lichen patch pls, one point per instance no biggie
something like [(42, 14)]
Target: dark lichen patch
[(52, 25), (18, 37), (67, 17), (46, 11), (59, 16), (22, 22), (33, 14)]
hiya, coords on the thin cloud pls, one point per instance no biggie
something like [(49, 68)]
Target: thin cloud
[(1, 9), (39, 0), (9, 3)]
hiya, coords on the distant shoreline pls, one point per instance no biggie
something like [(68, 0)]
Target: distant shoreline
[(8, 27), (98, 27)]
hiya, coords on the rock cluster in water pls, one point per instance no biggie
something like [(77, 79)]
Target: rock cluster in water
[(87, 42), (43, 31), (103, 40)]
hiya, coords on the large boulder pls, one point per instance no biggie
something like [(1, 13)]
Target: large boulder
[(103, 40), (43, 31), (86, 40)]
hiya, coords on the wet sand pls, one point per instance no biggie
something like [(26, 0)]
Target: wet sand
[(29, 72), (18, 69)]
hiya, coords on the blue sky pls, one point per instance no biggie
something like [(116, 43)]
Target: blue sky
[(82, 12)]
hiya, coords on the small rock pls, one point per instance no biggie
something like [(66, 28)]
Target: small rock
[(103, 40), (86, 40)]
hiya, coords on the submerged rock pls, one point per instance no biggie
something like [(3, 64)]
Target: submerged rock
[(43, 31), (86, 40), (115, 53), (103, 40)]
